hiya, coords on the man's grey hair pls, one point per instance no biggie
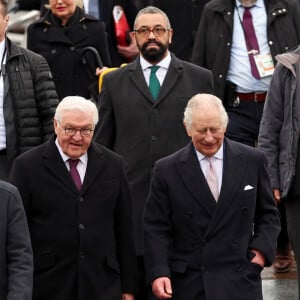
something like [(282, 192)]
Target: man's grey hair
[(76, 103), (151, 10), (202, 102)]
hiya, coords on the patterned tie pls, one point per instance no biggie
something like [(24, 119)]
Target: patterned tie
[(212, 178), (251, 40), (154, 84), (74, 172)]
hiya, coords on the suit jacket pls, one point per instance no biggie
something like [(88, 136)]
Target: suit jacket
[(82, 241), (142, 130), (16, 263), (188, 233)]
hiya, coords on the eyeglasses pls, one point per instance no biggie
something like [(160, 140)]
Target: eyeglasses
[(69, 131), (157, 31)]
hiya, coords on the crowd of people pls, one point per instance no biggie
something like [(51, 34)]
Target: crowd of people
[(181, 175)]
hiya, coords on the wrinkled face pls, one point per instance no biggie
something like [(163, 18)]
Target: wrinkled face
[(74, 145), (247, 3), (206, 131), (153, 48), (63, 9)]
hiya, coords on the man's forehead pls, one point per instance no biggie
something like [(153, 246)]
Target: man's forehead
[(151, 20)]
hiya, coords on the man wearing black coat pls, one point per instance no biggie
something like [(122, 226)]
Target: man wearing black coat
[(137, 124), (222, 46), (79, 219)]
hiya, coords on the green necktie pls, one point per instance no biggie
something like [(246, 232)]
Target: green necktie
[(154, 84)]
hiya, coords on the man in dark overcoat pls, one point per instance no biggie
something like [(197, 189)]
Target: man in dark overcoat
[(142, 127), (210, 221), (79, 216)]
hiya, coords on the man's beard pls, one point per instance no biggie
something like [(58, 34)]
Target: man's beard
[(153, 55)]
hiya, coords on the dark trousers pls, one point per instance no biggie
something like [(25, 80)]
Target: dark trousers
[(244, 121), (293, 224), (3, 166), (283, 240), (293, 215)]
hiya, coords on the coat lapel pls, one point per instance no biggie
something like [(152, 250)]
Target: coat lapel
[(54, 163), (174, 72), (233, 172), (56, 166), (94, 166), (194, 180), (137, 77)]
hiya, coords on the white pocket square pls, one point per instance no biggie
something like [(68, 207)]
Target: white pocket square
[(248, 187)]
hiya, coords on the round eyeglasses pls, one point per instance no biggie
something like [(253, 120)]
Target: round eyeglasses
[(157, 31)]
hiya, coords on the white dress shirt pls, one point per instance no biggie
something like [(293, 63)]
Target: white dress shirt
[(160, 73), (218, 164), (239, 71), (82, 164)]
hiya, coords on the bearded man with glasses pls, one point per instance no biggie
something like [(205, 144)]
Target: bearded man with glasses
[(141, 107)]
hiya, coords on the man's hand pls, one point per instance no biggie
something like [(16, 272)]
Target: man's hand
[(126, 296), (99, 71), (161, 288), (258, 258), (129, 51), (277, 195)]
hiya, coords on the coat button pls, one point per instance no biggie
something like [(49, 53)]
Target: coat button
[(80, 199), (72, 48), (81, 226), (154, 138)]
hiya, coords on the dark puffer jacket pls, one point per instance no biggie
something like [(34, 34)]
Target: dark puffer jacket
[(30, 100)]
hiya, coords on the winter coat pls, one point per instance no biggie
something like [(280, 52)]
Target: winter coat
[(212, 46), (30, 100), (73, 71), (280, 125)]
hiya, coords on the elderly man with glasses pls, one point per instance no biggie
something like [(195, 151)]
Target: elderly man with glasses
[(77, 202)]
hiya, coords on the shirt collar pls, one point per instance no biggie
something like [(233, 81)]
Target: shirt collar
[(258, 3), (2, 48), (218, 155), (164, 63), (82, 158)]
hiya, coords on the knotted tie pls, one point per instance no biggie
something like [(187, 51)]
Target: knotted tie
[(154, 84), (74, 173), (212, 178), (251, 40)]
